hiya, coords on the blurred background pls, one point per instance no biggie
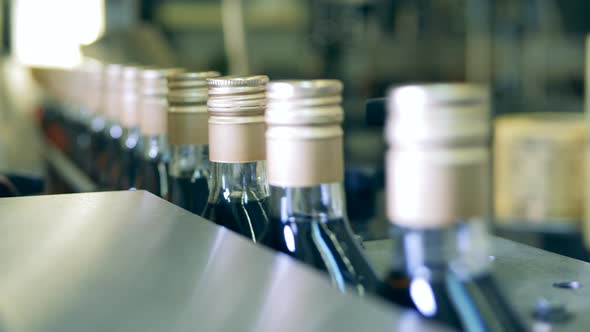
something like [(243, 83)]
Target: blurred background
[(531, 53)]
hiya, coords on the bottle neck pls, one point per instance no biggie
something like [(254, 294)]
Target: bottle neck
[(247, 180), (322, 202), (130, 138), (84, 117), (155, 147), (425, 253), (189, 161), (69, 112), (113, 130), (97, 123)]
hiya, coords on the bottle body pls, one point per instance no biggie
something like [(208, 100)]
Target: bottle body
[(54, 123), (79, 136), (310, 225), (444, 274), (438, 197), (238, 198), (153, 174), (129, 158), (96, 164), (113, 169), (188, 177)]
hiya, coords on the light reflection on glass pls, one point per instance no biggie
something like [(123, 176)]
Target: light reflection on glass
[(116, 131), (289, 238), (153, 152), (423, 297)]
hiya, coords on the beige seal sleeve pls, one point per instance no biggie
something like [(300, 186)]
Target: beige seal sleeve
[(129, 115), (304, 156), (113, 105), (434, 188), (236, 139), (93, 101), (188, 125), (153, 116)]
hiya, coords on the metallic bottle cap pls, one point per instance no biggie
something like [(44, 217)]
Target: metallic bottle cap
[(129, 84), (113, 72), (63, 84), (154, 89), (91, 86), (112, 94), (187, 108), (438, 162), (438, 113), (236, 108), (237, 95), (154, 80), (130, 81), (304, 136), (238, 81), (55, 82), (304, 102), (189, 88)]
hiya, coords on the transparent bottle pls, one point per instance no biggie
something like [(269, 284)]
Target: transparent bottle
[(130, 142), (78, 115), (238, 191), (438, 197), (306, 174), (55, 107), (113, 131), (95, 121), (155, 151), (188, 135)]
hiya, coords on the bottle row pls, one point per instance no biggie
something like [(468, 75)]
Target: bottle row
[(265, 160)]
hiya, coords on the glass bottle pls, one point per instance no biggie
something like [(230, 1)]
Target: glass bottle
[(113, 131), (54, 107), (73, 115), (130, 142), (238, 189), (188, 135), (306, 174), (79, 115), (155, 151), (438, 194), (95, 163)]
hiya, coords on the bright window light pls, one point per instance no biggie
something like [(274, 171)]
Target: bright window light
[(49, 33)]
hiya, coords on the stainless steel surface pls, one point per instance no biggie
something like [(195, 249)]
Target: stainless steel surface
[(129, 261), (527, 274)]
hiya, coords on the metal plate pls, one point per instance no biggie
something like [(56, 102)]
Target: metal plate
[(129, 261)]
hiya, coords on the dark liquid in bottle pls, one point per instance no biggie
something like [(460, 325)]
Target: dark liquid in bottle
[(326, 245), (153, 177), (53, 126), (97, 165), (189, 193), (477, 300), (396, 288), (247, 218), (82, 154), (129, 162), (110, 177), (431, 297)]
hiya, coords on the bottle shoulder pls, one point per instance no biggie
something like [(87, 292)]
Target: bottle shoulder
[(327, 245), (246, 217)]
